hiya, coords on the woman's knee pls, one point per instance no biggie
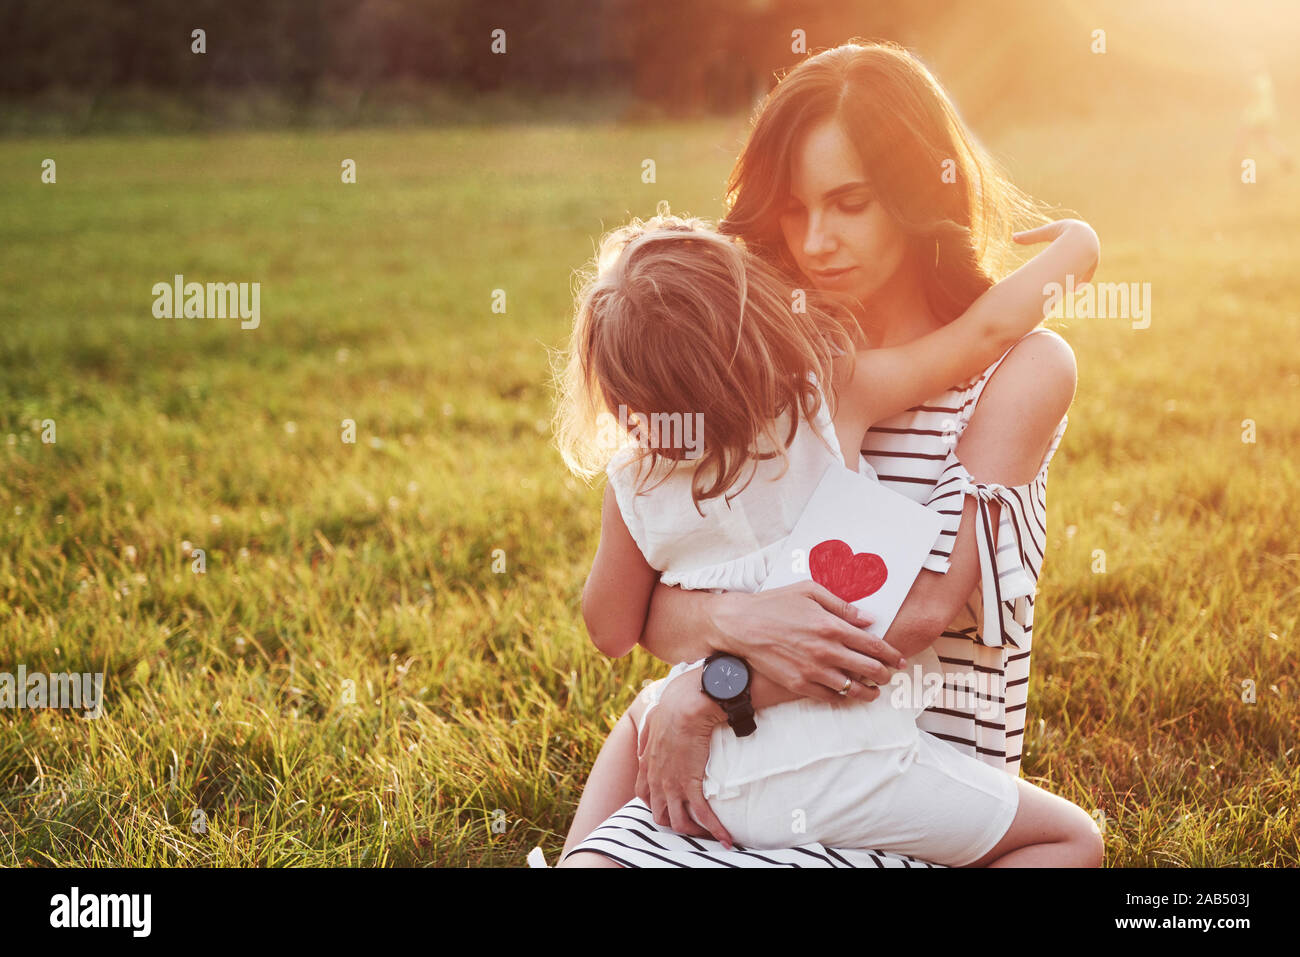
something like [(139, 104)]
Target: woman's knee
[(1044, 818), (1071, 825), (1086, 835)]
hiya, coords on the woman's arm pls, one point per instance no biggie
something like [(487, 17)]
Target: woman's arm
[(800, 640), (876, 383), (1005, 442), (617, 597)]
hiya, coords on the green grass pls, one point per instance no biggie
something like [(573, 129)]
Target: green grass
[(477, 696)]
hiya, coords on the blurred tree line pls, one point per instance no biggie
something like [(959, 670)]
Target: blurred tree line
[(674, 51), (683, 55)]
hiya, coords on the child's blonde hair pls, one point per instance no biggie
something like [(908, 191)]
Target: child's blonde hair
[(676, 318)]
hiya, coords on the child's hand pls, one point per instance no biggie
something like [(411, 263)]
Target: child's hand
[(1078, 231), (1048, 231)]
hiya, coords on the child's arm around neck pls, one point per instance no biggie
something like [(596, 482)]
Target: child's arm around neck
[(884, 382)]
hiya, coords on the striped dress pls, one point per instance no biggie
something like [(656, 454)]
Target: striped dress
[(984, 650)]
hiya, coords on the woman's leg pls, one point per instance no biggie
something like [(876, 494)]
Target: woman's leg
[(612, 784), (1047, 831)]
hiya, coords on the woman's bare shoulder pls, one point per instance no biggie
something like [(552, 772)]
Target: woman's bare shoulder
[(1037, 377), (1019, 411)]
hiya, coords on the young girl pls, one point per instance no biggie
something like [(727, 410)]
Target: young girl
[(681, 331)]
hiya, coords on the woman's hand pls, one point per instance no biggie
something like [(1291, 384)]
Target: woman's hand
[(806, 640), (672, 752)]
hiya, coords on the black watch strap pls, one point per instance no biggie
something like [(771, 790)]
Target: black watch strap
[(740, 714)]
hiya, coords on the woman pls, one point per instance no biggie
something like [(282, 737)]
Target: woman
[(860, 179)]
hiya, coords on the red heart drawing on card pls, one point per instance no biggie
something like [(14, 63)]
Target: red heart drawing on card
[(844, 574)]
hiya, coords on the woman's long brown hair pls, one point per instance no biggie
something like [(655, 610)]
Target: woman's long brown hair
[(928, 171)]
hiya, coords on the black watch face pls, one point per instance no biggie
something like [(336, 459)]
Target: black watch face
[(725, 678)]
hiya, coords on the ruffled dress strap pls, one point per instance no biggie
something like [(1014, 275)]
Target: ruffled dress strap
[(1010, 555)]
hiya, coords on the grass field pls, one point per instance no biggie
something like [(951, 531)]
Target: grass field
[(230, 736)]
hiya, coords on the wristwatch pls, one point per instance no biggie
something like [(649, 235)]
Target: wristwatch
[(725, 679)]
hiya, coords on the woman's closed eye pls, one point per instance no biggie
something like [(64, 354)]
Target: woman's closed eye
[(856, 206)]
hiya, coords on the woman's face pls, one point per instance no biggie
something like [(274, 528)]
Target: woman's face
[(840, 237)]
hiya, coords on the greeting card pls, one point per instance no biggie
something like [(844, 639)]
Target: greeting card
[(862, 541)]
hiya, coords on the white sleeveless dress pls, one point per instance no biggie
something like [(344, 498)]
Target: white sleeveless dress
[(984, 650)]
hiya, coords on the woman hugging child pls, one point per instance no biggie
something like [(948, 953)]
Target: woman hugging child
[(682, 325)]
